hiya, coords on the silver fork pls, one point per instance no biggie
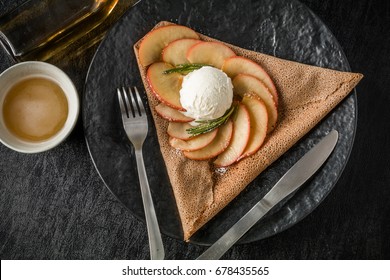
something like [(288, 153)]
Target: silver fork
[(136, 127)]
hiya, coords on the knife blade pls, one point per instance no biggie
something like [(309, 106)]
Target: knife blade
[(295, 177)]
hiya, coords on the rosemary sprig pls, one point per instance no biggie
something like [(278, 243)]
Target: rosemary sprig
[(209, 125), (185, 68)]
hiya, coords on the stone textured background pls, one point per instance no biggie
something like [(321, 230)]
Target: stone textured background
[(53, 205)]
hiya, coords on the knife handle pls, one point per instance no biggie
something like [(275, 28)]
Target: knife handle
[(223, 244)]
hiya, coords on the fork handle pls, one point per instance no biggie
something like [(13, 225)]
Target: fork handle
[(155, 241)]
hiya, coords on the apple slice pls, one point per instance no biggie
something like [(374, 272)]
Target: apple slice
[(240, 137), (211, 53), (216, 147), (194, 143), (166, 87), (241, 65), (179, 130), (244, 83), (176, 51), (156, 40), (259, 121), (171, 114)]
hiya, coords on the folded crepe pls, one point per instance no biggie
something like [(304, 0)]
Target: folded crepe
[(306, 95)]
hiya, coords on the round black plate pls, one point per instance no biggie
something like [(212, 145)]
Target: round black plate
[(286, 29)]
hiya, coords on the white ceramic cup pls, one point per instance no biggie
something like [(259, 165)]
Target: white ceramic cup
[(28, 69)]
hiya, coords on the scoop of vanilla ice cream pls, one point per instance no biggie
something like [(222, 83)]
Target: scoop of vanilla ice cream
[(206, 93)]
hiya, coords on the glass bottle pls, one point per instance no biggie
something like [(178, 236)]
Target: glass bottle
[(39, 29)]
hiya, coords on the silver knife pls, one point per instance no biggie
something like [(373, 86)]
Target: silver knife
[(298, 174)]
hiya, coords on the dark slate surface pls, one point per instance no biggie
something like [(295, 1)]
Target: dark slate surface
[(53, 205)]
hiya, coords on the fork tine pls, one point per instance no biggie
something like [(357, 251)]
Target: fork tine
[(135, 107), (129, 107), (121, 103), (139, 100)]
